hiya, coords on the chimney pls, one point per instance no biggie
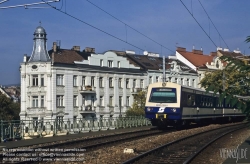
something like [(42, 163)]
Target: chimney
[(219, 48), (237, 51), (200, 52), (25, 58), (213, 53), (90, 50), (181, 49), (54, 46), (76, 48)]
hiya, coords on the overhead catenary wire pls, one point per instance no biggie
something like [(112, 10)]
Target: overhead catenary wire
[(92, 26), (213, 23), (30, 4), (129, 26), (199, 24)]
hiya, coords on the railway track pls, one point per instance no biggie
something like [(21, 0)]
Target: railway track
[(88, 144), (183, 150)]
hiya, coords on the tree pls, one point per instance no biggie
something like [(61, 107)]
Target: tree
[(8, 109), (138, 106), (227, 79), (237, 83)]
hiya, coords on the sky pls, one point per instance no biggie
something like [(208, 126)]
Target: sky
[(160, 26)]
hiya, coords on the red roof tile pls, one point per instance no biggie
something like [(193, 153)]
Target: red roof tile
[(197, 59)]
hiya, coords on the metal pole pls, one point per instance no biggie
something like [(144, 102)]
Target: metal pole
[(164, 70), (223, 80)]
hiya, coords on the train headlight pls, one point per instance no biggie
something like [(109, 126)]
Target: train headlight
[(173, 110), (149, 109)]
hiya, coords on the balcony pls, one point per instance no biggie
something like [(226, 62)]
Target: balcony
[(87, 109), (135, 90), (36, 110), (60, 109), (87, 90)]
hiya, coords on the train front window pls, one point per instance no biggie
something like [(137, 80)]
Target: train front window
[(163, 95)]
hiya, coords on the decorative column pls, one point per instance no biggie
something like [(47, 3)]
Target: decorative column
[(116, 95), (23, 96)]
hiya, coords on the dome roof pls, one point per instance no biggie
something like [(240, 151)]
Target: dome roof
[(40, 30)]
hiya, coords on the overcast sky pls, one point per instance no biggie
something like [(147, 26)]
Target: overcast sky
[(166, 22)]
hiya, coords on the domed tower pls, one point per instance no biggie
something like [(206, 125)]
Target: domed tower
[(39, 53)]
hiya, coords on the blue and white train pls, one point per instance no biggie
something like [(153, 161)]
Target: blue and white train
[(172, 104)]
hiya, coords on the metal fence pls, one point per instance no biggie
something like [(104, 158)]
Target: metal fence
[(27, 129)]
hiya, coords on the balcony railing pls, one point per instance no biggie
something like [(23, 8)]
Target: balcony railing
[(87, 109), (87, 90)]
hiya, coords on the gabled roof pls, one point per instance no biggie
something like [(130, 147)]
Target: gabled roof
[(196, 57)]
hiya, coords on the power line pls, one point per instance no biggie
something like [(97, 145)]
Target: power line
[(213, 23), (198, 23), (30, 4), (128, 25), (93, 26)]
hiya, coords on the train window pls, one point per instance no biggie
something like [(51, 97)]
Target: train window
[(202, 101), (207, 102), (190, 100), (211, 102), (166, 95)]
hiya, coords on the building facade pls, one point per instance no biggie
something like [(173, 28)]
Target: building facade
[(70, 83)]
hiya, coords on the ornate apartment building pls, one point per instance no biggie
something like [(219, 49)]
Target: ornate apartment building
[(70, 83)]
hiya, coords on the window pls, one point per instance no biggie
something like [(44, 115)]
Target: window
[(59, 100), (127, 101), (120, 101), (59, 79), (151, 58), (157, 79), (101, 101), (137, 57), (83, 80), (141, 83), (110, 100), (42, 80), (42, 101), (150, 79), (74, 81), (101, 63), (92, 81), (163, 95), (34, 101), (134, 83), (202, 101), (120, 82), (190, 100), (127, 83), (92, 100), (75, 101), (83, 100), (110, 63), (101, 82), (118, 64), (110, 82), (35, 80)]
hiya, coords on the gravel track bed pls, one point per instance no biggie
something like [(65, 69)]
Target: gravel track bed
[(81, 138), (211, 155), (114, 154), (179, 152)]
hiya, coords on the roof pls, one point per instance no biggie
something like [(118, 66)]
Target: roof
[(196, 57), (154, 63), (68, 56), (230, 54)]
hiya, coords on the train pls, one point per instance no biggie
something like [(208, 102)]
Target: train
[(171, 104)]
